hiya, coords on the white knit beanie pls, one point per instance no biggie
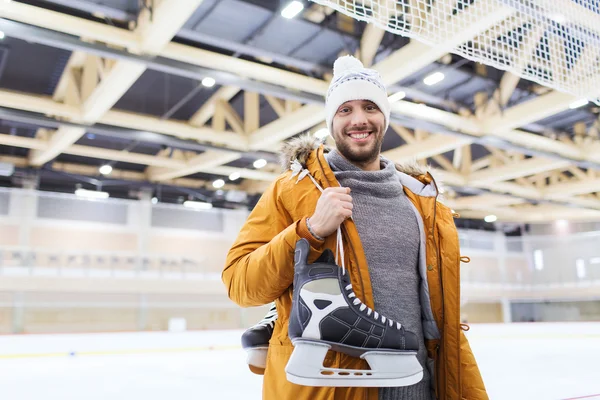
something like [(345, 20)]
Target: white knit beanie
[(352, 81)]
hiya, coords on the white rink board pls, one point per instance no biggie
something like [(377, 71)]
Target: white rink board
[(518, 362)]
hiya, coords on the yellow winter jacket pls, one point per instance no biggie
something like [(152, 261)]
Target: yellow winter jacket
[(259, 270)]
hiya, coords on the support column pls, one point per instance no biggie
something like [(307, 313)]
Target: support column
[(17, 313), (23, 208), (143, 225), (142, 312), (501, 252), (506, 311)]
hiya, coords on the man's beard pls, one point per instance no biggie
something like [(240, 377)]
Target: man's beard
[(363, 155)]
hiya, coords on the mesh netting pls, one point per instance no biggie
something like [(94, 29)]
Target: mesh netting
[(555, 43)]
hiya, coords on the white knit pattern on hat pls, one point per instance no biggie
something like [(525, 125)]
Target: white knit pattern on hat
[(352, 81)]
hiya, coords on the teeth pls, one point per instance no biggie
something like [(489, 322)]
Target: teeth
[(359, 135)]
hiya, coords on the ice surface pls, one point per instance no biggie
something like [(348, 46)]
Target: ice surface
[(518, 362)]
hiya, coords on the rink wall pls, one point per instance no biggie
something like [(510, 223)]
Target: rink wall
[(73, 265)]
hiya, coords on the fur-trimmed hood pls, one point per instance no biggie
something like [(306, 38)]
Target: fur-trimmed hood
[(300, 148)]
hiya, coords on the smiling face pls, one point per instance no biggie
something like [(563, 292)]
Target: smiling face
[(358, 130)]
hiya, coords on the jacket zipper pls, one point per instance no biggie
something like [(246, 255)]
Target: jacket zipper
[(441, 279), (362, 286), (345, 231)]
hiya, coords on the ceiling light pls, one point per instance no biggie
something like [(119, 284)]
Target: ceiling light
[(434, 78), (154, 200), (105, 169), (234, 176), (490, 218), (197, 205), (558, 17), (322, 133), (219, 183), (397, 97), (91, 194), (208, 82), (292, 9), (578, 103), (6, 169), (261, 162)]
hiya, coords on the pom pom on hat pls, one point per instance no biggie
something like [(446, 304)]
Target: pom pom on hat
[(346, 63)]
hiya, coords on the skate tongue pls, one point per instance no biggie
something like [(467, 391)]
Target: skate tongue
[(326, 258)]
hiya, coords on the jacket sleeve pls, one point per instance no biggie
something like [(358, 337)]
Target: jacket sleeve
[(471, 380), (260, 264)]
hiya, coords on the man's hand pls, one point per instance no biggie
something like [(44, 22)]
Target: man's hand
[(333, 207)]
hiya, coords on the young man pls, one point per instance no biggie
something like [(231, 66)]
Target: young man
[(402, 250)]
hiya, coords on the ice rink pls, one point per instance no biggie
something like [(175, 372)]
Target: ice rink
[(518, 362)]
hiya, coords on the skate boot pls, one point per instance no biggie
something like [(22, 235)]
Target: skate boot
[(327, 315), (256, 341)]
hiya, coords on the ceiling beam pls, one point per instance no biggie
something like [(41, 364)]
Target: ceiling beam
[(568, 189), (433, 145), (369, 44), (515, 170), (200, 163), (61, 22), (530, 111), (64, 137), (207, 110), (483, 202), (510, 80), (287, 126), (120, 174), (535, 214), (155, 31), (134, 158), (292, 80), (460, 123), (45, 105), (174, 128)]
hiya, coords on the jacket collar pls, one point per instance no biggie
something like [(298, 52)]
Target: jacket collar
[(310, 153)]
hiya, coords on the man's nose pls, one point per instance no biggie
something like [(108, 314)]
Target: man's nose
[(359, 117)]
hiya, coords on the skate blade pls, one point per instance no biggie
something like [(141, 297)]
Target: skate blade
[(388, 369), (256, 358)]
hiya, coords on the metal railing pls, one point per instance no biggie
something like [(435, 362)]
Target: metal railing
[(100, 264)]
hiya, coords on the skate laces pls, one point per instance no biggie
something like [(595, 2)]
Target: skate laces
[(339, 251), (364, 307), (270, 318)]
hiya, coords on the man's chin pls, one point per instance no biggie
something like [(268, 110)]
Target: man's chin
[(360, 156)]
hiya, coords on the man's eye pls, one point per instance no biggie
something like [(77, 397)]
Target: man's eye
[(371, 108), (344, 110)]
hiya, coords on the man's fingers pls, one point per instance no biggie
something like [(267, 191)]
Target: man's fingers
[(345, 198), (338, 190), (347, 205)]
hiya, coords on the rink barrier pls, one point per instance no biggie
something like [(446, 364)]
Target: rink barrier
[(236, 347), (119, 352)]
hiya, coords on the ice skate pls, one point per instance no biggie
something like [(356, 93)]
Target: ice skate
[(326, 314), (256, 341)]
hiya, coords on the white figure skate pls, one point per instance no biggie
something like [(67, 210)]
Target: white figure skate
[(255, 341), (326, 314)]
